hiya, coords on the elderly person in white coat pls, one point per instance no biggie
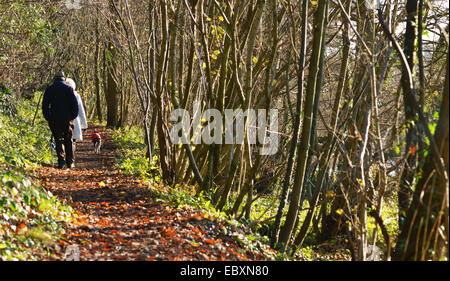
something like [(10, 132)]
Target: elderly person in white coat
[(80, 122)]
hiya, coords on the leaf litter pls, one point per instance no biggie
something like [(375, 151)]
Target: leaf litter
[(118, 218)]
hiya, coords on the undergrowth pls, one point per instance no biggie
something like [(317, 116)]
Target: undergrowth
[(30, 216)]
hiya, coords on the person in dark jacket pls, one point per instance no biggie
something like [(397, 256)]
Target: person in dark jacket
[(60, 108)]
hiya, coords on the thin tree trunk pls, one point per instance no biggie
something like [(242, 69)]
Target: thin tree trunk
[(162, 100), (296, 128), (98, 106), (329, 143), (412, 134), (112, 90), (426, 229), (311, 95)]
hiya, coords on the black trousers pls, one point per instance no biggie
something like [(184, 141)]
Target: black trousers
[(62, 132)]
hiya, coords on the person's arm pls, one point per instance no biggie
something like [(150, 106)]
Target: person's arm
[(74, 103), (81, 113), (46, 105)]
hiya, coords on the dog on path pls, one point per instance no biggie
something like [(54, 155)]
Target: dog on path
[(97, 142)]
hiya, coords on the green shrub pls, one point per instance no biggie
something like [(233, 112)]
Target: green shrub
[(7, 102), (131, 149), (30, 216), (23, 141), (27, 209)]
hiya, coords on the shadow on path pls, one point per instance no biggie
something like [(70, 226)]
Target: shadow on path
[(118, 218)]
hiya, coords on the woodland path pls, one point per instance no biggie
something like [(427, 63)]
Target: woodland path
[(119, 220)]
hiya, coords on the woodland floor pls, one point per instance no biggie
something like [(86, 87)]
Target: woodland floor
[(118, 220)]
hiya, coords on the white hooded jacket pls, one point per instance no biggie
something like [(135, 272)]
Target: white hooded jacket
[(80, 122)]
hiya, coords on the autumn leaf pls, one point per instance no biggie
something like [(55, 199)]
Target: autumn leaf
[(101, 184), (361, 182), (121, 241), (169, 232), (196, 217), (412, 149)]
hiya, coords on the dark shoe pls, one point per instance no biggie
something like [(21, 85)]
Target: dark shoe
[(60, 165)]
